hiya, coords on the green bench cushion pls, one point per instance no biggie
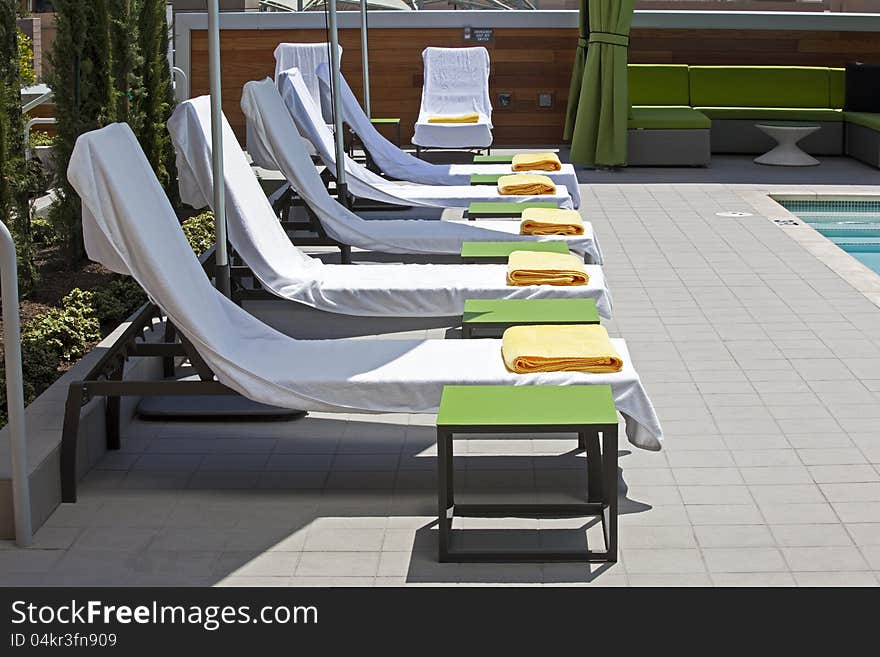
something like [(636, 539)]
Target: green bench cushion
[(667, 118), (479, 209), (471, 406), (658, 84), (773, 113), (760, 86), (504, 249), (865, 119), (530, 311), (837, 87), (493, 159)]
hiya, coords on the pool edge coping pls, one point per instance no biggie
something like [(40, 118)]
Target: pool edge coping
[(859, 276)]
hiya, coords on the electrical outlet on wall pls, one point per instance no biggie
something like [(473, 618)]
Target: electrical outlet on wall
[(505, 99), (545, 100)]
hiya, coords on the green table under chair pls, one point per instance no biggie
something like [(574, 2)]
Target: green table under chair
[(486, 178), (493, 159), (493, 253), (489, 318), (585, 411), (492, 210)]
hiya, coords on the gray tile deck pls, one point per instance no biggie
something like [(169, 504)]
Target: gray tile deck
[(763, 366)]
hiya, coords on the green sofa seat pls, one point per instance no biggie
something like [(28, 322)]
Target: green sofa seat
[(761, 86), (658, 84), (865, 119), (773, 113), (667, 118)]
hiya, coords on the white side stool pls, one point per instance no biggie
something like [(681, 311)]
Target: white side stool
[(786, 153)]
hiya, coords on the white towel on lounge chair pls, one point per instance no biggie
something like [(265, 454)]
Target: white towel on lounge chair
[(456, 82), (404, 290), (306, 56), (130, 227), (363, 183), (274, 129), (400, 165)]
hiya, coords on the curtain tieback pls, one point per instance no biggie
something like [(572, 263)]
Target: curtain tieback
[(611, 38)]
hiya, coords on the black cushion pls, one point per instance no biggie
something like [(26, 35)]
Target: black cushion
[(862, 87)]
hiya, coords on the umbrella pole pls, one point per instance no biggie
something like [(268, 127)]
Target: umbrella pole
[(221, 254), (338, 137), (365, 57)]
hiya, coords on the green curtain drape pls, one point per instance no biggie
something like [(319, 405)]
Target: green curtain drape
[(598, 102)]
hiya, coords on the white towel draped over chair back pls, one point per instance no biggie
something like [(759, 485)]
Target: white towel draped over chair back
[(456, 81)]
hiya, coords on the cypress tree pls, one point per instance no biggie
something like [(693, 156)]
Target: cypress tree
[(157, 100), (127, 62), (16, 174), (84, 98)]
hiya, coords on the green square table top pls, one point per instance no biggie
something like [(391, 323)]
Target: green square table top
[(486, 178), (504, 249), (388, 121), (530, 311), (493, 159), (479, 209), (534, 406)]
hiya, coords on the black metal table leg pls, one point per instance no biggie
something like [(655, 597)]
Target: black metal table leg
[(609, 462)]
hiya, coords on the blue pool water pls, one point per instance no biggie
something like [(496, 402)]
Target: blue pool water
[(853, 225)]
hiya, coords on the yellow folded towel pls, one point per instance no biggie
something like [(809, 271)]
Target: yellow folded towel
[(473, 117), (561, 348), (536, 162), (525, 184), (544, 268), (551, 221)]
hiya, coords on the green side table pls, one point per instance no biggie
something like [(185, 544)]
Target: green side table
[(493, 159), (493, 253), (585, 411), (486, 178), (389, 121), (492, 210), (490, 317)]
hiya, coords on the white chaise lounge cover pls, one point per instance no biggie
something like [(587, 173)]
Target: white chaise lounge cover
[(130, 227), (400, 165), (403, 290), (456, 82), (363, 183), (307, 56), (278, 138)]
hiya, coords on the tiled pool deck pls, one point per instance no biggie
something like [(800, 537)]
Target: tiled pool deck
[(764, 366)]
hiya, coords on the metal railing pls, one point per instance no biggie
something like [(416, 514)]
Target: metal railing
[(14, 391)]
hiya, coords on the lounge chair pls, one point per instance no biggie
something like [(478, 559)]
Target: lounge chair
[(307, 56), (130, 227), (397, 164), (363, 183), (397, 290), (277, 135), (456, 82)]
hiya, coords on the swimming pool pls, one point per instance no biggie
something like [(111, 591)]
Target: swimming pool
[(852, 224)]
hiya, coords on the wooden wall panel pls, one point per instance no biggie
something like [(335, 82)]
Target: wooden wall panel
[(525, 62)]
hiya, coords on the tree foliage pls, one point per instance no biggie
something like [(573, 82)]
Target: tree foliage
[(16, 175)]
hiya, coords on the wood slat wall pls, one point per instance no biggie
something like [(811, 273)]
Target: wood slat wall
[(525, 62)]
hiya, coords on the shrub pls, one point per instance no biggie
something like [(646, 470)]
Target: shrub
[(39, 366), (41, 138), (117, 300), (67, 330), (26, 74), (199, 231)]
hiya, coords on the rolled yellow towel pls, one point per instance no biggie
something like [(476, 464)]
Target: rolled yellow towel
[(536, 162), (551, 221), (472, 117), (560, 348), (544, 268), (525, 184)]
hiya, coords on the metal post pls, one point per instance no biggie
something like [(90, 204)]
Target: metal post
[(365, 57), (21, 498), (339, 138), (221, 270)]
